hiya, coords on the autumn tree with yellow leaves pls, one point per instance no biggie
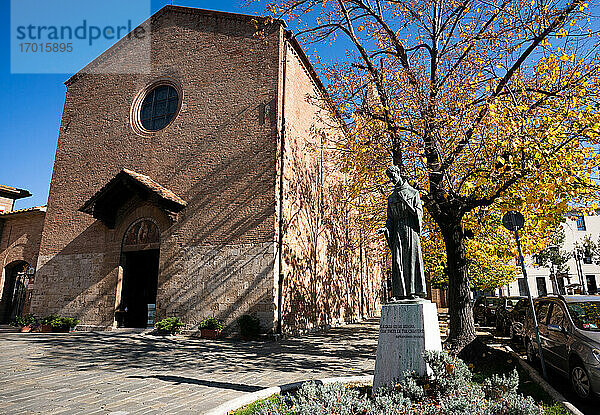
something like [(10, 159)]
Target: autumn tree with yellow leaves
[(486, 105)]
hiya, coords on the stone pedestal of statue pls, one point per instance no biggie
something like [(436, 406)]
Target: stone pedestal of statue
[(407, 328)]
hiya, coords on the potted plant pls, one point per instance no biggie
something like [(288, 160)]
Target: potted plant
[(45, 324), (249, 326), (210, 328), (168, 326), (63, 324), (27, 323)]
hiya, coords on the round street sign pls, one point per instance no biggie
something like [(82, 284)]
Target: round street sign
[(513, 220)]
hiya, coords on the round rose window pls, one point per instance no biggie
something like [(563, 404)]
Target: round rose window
[(159, 107)]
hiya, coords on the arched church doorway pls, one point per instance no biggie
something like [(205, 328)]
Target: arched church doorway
[(13, 291), (139, 258)]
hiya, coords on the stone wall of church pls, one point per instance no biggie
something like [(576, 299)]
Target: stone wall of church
[(79, 285), (218, 154), (331, 270), (222, 281)]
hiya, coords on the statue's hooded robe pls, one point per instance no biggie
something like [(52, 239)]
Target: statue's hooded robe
[(404, 223)]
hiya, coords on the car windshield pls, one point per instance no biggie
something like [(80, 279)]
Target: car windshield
[(511, 302), (585, 315), (492, 301)]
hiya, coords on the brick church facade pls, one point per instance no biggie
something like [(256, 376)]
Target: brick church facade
[(207, 186)]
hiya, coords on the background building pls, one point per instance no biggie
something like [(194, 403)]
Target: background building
[(579, 267), (20, 234)]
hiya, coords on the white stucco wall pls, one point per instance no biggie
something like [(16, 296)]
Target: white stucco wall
[(572, 236)]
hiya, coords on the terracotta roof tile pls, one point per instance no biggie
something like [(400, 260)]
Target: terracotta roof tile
[(104, 204), (31, 209), (155, 187)]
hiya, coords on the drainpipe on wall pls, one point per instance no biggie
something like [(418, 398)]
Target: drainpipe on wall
[(281, 160)]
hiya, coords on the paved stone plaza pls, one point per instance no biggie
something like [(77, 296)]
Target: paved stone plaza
[(129, 373)]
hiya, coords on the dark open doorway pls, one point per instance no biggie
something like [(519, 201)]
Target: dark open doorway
[(140, 280), (13, 291), (592, 287)]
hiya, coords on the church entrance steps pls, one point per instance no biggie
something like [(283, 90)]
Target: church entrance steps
[(132, 330), (5, 328)]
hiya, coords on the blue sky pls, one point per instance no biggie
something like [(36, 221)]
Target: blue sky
[(32, 109)]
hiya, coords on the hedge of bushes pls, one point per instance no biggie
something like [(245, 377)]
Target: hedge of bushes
[(58, 324), (168, 326), (449, 390)]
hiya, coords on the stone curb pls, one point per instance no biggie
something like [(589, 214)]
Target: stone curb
[(556, 395), (247, 399)]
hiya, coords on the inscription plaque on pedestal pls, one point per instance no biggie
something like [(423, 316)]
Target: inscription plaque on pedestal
[(407, 329)]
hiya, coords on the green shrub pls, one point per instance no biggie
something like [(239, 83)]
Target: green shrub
[(211, 323), (56, 322), (63, 323), (498, 385), (169, 325), (47, 321), (447, 391), (334, 398), (27, 320), (249, 326), (555, 409), (277, 402), (449, 374)]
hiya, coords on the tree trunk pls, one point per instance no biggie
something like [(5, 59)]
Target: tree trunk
[(462, 325)]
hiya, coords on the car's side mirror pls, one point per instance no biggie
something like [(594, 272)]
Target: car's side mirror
[(556, 327)]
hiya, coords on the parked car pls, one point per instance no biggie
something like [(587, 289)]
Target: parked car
[(484, 310), (570, 337), (510, 315)]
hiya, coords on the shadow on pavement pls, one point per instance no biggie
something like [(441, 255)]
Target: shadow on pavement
[(178, 380), (336, 351)]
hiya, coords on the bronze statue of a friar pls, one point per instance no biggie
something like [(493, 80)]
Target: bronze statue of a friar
[(402, 232)]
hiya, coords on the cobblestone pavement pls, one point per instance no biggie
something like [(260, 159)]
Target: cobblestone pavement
[(130, 373)]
